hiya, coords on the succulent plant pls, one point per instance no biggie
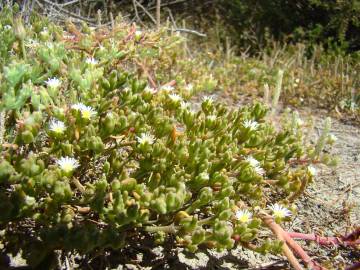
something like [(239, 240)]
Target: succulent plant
[(94, 153)]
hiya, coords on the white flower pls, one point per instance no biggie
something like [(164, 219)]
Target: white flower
[(189, 87), (243, 215), (91, 61), (7, 27), (167, 88), (252, 161), (150, 90), (31, 43), (211, 117), (311, 170), (299, 122), (259, 170), (145, 138), (208, 99), (184, 105), (255, 164), (67, 164), (138, 33), (252, 125), (175, 97), (57, 126), (332, 138), (204, 175), (86, 111), (77, 106), (126, 90), (53, 82), (280, 211)]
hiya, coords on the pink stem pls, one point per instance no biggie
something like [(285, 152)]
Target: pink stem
[(326, 241), (283, 235)]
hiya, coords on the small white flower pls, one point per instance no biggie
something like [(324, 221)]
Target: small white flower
[(7, 27), (77, 106), (29, 200), (67, 164), (145, 138), (126, 90), (208, 99), (297, 80), (189, 87), (252, 125), (299, 122), (211, 117), (259, 170), (243, 215), (57, 126), (150, 90), (252, 161), (91, 61), (204, 175), (138, 33), (86, 111), (311, 170), (44, 32), (184, 105), (53, 82), (280, 211), (167, 88), (175, 97), (31, 43), (332, 138)]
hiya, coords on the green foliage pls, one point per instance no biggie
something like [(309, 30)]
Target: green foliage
[(93, 154), (330, 22)]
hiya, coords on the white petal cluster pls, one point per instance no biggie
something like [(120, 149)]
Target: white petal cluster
[(255, 164), (175, 97), (86, 111), (91, 61), (189, 87), (208, 99), (252, 125), (243, 216), (53, 82), (184, 105), (311, 170), (279, 211), (211, 117), (167, 88), (150, 90), (67, 164), (57, 126), (252, 161), (145, 138)]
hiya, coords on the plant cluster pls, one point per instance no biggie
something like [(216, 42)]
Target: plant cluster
[(93, 154)]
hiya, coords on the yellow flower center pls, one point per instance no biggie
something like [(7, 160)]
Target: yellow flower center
[(67, 168), (86, 114), (58, 130), (279, 214), (244, 218)]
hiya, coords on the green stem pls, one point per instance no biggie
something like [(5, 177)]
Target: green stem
[(167, 229), (22, 44)]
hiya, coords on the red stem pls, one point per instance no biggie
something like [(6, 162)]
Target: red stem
[(326, 241), (284, 236)]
